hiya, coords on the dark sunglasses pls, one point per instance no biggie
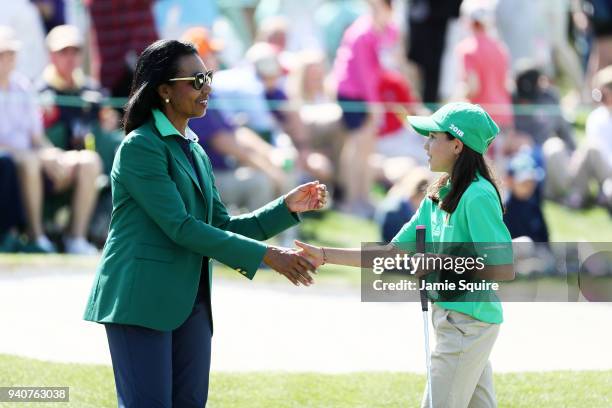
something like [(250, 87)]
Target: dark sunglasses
[(199, 80)]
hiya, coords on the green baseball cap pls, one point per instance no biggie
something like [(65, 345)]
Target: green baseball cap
[(465, 121)]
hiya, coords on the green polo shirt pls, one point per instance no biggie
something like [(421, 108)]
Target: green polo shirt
[(478, 220)]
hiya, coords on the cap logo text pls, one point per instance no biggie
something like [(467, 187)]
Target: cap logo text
[(455, 129)]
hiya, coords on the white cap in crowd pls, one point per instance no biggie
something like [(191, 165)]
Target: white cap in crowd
[(603, 77), (64, 36), (265, 59), (8, 40), (482, 11)]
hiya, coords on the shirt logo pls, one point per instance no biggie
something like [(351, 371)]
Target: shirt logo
[(455, 129)]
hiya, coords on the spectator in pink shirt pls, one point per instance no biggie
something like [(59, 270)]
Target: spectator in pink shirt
[(485, 64), (366, 46)]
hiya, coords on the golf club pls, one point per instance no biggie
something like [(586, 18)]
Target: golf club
[(420, 248)]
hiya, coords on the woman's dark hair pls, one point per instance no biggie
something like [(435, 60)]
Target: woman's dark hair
[(155, 66), (467, 165)]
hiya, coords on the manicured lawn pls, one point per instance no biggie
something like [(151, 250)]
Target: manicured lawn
[(92, 386), (565, 225), (336, 229)]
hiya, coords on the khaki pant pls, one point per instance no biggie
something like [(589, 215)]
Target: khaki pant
[(461, 372)]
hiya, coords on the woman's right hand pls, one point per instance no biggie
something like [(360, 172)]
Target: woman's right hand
[(312, 253), (289, 263)]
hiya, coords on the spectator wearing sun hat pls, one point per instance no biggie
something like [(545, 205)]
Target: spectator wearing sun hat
[(524, 216), (11, 209), (23, 17), (69, 127), (20, 130)]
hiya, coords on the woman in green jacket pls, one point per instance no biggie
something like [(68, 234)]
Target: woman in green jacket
[(152, 287), (462, 212)]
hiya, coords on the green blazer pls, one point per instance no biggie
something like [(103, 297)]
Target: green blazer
[(164, 225)]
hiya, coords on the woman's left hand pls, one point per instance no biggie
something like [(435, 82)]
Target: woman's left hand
[(307, 197)]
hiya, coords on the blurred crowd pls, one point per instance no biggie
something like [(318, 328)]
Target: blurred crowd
[(304, 90)]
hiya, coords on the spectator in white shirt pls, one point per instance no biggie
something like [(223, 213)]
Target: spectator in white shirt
[(569, 176), (599, 122), (42, 168)]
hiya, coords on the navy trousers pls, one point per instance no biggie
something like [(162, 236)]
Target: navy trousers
[(163, 369), (11, 209)]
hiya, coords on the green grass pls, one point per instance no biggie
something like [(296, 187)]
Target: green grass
[(566, 225), (93, 386), (338, 229), (332, 228)]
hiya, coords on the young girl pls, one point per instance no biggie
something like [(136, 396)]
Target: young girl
[(462, 206)]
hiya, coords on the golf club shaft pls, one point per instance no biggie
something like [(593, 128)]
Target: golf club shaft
[(427, 357), (420, 248)]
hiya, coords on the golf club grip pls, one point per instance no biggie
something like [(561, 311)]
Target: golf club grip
[(420, 248)]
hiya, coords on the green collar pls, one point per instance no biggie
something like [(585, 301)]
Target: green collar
[(166, 128)]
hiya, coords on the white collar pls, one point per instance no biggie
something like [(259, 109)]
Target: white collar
[(190, 135)]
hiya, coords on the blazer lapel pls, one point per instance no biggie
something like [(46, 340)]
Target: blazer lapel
[(179, 156), (198, 156)]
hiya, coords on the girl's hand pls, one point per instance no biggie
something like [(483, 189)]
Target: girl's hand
[(313, 254)]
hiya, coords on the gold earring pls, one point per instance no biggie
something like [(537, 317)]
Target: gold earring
[(167, 100)]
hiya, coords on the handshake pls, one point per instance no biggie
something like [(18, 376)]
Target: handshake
[(296, 264)]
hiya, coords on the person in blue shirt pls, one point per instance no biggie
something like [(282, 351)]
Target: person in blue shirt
[(524, 215), (401, 203)]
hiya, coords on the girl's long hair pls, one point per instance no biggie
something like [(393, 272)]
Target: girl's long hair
[(468, 164), (155, 66)]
